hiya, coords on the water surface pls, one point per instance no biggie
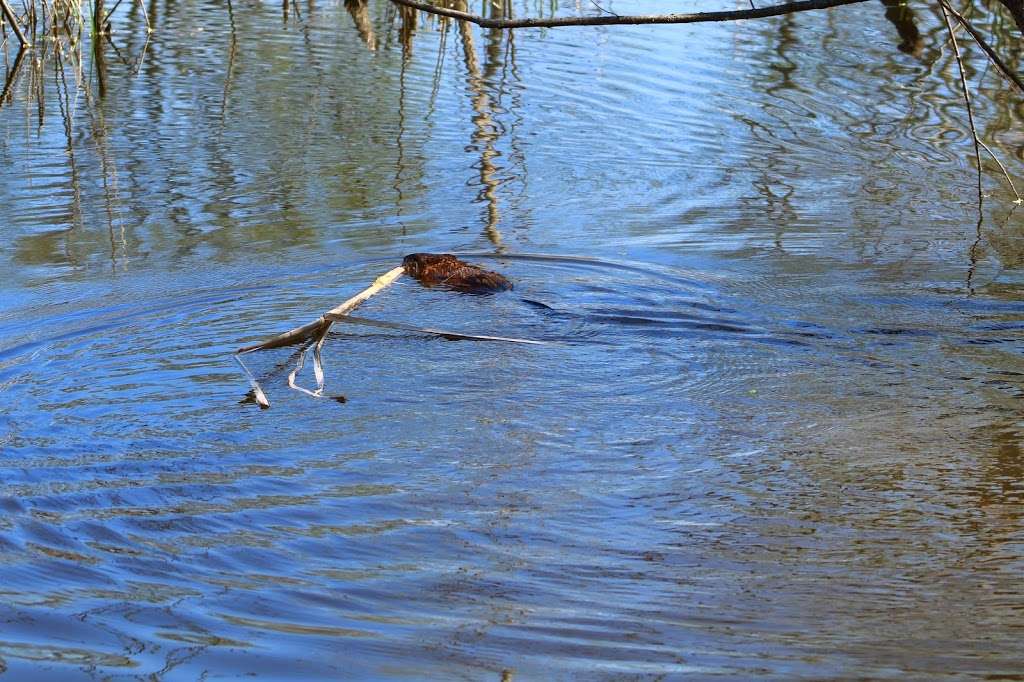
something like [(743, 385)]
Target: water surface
[(776, 433)]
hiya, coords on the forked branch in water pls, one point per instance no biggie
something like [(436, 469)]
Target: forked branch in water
[(983, 44)]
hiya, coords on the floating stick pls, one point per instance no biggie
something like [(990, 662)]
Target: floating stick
[(315, 334)]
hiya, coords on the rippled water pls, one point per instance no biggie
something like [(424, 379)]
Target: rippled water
[(776, 432)]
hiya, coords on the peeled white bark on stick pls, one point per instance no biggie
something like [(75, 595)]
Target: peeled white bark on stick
[(316, 330), (311, 329)]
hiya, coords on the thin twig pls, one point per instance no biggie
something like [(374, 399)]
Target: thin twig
[(992, 55), (606, 11), (972, 253), (145, 16), (978, 144), (351, 319), (616, 19), (106, 17), (1002, 168), (966, 92), (291, 377), (257, 392)]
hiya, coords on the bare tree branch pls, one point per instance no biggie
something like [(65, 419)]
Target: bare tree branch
[(317, 331), (607, 20), (1000, 64)]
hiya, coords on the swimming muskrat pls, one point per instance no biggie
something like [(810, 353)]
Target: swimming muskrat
[(444, 269)]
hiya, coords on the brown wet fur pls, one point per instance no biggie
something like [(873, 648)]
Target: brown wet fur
[(444, 269)]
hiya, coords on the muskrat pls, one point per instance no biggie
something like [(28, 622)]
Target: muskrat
[(444, 269)]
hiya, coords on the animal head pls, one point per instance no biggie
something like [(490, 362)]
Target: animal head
[(444, 269), (417, 264)]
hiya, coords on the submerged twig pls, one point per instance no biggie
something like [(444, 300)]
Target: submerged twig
[(351, 319), (294, 373), (258, 394)]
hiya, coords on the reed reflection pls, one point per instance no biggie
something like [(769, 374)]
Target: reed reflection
[(108, 173), (487, 129), (360, 12), (899, 13), (64, 98), (229, 70), (408, 17), (1003, 479), (405, 38), (11, 76), (772, 132), (99, 63)]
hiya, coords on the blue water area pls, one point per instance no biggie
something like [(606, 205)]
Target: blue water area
[(773, 432)]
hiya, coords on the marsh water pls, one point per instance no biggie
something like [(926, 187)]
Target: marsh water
[(776, 432)]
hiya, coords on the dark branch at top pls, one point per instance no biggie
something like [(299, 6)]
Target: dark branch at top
[(614, 19), (1016, 8)]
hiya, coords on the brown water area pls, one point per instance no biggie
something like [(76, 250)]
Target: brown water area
[(775, 432)]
